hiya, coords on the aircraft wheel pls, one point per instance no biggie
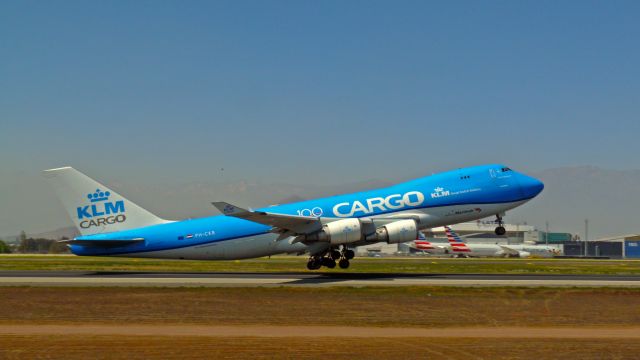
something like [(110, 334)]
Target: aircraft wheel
[(349, 254), (314, 263), (329, 262), (344, 264), (500, 230), (335, 254)]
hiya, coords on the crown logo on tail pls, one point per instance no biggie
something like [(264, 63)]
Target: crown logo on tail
[(99, 196)]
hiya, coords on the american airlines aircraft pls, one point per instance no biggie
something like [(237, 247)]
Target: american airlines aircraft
[(457, 247), (325, 228)]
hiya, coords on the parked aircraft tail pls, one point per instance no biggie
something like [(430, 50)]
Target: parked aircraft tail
[(457, 245)]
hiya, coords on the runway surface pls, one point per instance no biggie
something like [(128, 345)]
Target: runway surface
[(303, 279)]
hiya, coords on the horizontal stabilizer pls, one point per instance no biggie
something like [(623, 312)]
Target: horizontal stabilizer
[(103, 243)]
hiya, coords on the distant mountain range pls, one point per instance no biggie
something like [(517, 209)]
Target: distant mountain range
[(610, 199)]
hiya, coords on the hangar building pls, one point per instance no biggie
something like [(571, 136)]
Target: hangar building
[(616, 247)]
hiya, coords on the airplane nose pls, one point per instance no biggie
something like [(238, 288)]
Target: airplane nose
[(530, 186)]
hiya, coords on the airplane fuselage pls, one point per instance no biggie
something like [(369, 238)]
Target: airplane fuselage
[(437, 200), (488, 250)]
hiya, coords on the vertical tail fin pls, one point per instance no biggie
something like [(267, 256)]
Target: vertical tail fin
[(421, 243), (457, 245), (93, 207)]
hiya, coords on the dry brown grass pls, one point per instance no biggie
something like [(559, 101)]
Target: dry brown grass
[(118, 347), (397, 306)]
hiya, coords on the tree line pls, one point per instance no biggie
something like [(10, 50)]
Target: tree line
[(29, 245), (4, 248)]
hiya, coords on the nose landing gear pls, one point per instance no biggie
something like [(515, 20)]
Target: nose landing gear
[(500, 230)]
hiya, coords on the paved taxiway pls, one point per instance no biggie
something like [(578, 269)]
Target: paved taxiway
[(162, 279)]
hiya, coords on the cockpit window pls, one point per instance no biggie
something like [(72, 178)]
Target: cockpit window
[(505, 169)]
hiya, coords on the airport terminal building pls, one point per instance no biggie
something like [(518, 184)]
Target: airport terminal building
[(615, 247)]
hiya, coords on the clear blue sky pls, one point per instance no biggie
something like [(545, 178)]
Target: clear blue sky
[(315, 91)]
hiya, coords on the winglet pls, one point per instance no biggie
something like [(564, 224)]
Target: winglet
[(228, 209)]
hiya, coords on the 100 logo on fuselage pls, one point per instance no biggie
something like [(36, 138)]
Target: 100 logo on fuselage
[(379, 204)]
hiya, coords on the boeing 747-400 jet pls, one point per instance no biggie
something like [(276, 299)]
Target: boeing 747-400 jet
[(325, 228)]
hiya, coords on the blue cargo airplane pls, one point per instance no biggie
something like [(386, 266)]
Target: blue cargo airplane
[(326, 228)]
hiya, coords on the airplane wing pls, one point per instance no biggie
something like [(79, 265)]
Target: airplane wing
[(509, 251), (282, 223)]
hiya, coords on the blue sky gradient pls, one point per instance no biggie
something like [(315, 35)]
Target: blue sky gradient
[(314, 92)]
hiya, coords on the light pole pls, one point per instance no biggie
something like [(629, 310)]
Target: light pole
[(586, 237), (546, 233)]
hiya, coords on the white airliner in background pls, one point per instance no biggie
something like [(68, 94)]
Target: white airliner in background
[(457, 247)]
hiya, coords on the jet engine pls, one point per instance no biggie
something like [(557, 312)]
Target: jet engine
[(348, 231), (396, 232), (339, 232)]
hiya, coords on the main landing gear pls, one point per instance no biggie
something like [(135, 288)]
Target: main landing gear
[(346, 256), (500, 230), (329, 258), (314, 263)]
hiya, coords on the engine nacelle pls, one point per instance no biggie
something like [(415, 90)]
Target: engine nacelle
[(339, 232), (344, 231), (397, 232)]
